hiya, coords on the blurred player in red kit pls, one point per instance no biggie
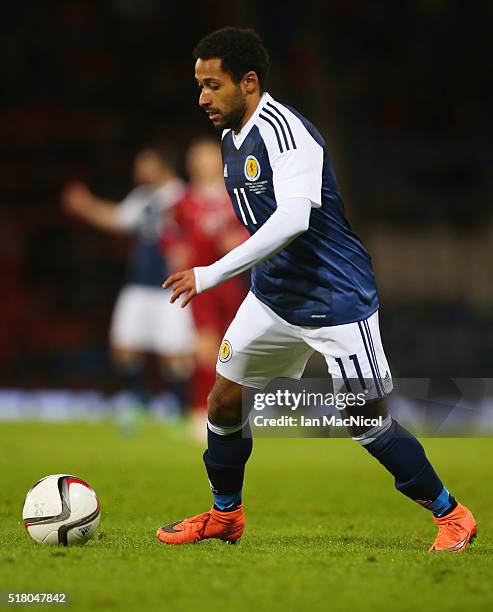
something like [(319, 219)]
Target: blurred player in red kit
[(205, 229)]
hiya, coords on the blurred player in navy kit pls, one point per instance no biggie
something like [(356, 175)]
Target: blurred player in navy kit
[(313, 289), (142, 321)]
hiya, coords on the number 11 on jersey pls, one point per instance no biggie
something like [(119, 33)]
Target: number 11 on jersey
[(237, 193)]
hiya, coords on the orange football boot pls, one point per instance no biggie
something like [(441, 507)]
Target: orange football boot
[(226, 526), (455, 530)]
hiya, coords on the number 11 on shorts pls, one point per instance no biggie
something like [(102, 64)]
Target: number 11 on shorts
[(354, 359)]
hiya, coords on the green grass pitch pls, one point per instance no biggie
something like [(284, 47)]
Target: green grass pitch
[(325, 528)]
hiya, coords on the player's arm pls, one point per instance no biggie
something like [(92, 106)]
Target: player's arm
[(290, 219), (80, 202)]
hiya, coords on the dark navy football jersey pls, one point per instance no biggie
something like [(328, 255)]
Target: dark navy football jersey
[(323, 277), (144, 212)]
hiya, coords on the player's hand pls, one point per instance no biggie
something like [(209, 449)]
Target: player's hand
[(182, 283), (76, 198)]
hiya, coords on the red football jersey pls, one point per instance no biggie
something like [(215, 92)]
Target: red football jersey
[(206, 228), (211, 226)]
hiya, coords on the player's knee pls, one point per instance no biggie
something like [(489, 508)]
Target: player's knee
[(179, 367), (127, 361), (223, 409)]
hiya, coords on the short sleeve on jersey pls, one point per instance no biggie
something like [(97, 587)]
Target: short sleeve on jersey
[(298, 174), (130, 209), (295, 156)]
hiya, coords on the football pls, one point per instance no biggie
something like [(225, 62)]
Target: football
[(61, 510)]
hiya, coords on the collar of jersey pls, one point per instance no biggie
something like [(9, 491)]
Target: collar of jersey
[(245, 130)]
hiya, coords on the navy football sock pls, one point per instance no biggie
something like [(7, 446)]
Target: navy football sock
[(404, 457), (225, 460)]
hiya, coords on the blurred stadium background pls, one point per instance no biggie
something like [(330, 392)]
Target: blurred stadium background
[(397, 89)]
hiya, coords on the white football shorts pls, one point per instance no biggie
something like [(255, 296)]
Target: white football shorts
[(144, 320), (260, 346)]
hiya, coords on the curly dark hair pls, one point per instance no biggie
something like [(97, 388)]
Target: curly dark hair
[(239, 50)]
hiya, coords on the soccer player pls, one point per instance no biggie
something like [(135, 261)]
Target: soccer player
[(313, 289), (141, 323)]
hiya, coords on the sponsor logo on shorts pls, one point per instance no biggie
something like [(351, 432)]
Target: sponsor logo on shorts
[(225, 352), (252, 168)]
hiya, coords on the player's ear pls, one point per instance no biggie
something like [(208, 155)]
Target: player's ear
[(250, 81)]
